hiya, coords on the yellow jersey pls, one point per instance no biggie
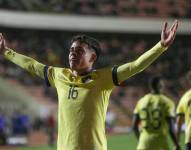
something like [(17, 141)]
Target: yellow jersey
[(184, 108), (83, 100), (153, 110)]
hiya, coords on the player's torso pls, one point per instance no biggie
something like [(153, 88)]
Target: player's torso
[(154, 128), (79, 92), (153, 114), (82, 108)]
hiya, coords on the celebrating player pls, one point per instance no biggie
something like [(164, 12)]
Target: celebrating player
[(155, 113), (183, 113), (83, 93)]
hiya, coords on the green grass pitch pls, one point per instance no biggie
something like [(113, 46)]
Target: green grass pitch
[(115, 142)]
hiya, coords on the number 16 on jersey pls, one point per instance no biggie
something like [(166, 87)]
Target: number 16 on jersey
[(73, 92)]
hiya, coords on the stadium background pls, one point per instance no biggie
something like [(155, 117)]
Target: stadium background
[(42, 29)]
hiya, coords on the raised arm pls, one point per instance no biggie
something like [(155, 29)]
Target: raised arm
[(24, 62), (127, 70)]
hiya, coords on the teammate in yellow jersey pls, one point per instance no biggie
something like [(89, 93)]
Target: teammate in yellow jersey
[(83, 93), (184, 113), (155, 112)]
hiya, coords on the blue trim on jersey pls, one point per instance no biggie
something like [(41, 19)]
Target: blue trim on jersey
[(114, 75), (46, 76)]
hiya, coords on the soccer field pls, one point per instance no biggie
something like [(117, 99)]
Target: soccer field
[(116, 142)]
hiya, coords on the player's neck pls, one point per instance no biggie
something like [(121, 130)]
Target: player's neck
[(82, 72), (155, 92)]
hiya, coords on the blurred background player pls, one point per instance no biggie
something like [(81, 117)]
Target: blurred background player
[(184, 115), (155, 112), (83, 93)]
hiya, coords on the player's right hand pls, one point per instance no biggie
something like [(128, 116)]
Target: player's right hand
[(2, 44)]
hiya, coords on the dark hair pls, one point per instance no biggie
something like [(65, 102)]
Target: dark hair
[(154, 84), (91, 42)]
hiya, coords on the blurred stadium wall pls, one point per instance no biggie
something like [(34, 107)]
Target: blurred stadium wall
[(73, 23)]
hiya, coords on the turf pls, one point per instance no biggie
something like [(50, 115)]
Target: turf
[(115, 142)]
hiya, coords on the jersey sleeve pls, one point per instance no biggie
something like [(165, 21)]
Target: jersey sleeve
[(34, 67), (27, 63), (181, 107), (106, 78), (109, 77), (50, 75), (129, 69)]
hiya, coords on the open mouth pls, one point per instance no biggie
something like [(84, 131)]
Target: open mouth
[(73, 59)]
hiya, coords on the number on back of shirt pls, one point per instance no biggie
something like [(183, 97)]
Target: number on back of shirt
[(73, 92), (151, 119)]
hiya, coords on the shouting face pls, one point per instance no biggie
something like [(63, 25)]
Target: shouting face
[(81, 57)]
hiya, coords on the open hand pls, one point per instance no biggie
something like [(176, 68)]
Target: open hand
[(2, 44), (168, 35)]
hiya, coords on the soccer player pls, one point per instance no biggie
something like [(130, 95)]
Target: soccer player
[(184, 114), (83, 93), (155, 112)]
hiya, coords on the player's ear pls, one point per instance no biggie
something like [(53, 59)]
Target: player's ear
[(93, 57)]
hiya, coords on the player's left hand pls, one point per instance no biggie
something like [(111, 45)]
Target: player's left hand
[(168, 35)]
